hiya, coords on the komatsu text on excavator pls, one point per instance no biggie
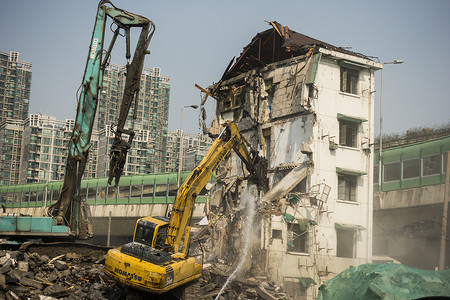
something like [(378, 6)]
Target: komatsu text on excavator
[(69, 216), (154, 262)]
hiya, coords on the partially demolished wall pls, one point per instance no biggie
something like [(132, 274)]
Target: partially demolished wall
[(290, 111), (273, 109)]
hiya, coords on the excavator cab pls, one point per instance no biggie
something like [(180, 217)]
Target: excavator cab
[(151, 233)]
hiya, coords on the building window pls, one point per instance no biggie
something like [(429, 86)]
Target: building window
[(349, 80), (277, 234), (392, 171), (347, 187), (297, 237), (376, 174), (411, 168), (346, 243), (297, 288), (431, 165), (347, 133), (444, 166)]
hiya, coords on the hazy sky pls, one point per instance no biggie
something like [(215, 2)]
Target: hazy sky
[(195, 40)]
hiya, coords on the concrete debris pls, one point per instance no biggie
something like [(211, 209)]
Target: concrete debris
[(43, 277), (214, 277)]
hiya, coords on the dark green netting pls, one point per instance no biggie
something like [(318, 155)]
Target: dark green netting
[(385, 281), (292, 199), (288, 217)]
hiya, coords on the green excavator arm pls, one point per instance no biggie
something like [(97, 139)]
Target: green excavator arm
[(69, 209)]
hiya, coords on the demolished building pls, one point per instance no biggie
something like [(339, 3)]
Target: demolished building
[(308, 107)]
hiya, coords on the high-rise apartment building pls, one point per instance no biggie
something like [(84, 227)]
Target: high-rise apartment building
[(34, 149), (11, 133), (195, 147), (44, 149), (148, 152), (15, 86)]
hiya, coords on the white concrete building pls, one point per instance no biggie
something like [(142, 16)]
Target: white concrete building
[(308, 107)]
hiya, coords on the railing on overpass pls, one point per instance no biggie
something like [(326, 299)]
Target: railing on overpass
[(133, 189)]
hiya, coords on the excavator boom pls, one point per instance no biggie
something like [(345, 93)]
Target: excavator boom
[(153, 262), (230, 138), (69, 209)]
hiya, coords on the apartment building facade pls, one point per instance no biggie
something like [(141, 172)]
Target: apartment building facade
[(148, 152), (11, 134), (15, 86), (42, 139), (195, 147), (307, 106), (44, 149)]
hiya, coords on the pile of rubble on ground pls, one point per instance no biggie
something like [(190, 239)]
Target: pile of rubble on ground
[(221, 244), (56, 273), (214, 278)]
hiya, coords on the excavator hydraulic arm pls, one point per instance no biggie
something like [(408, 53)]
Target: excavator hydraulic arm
[(153, 262), (230, 138), (69, 209)]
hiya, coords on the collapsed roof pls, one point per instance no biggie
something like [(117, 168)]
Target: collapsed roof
[(273, 45)]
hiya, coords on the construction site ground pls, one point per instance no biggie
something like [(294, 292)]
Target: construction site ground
[(75, 271)]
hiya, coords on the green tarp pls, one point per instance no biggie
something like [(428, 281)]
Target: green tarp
[(385, 281)]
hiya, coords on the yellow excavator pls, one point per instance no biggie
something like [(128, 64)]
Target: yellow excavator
[(153, 262)]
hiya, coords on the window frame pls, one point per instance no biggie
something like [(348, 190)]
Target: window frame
[(344, 125), (304, 235), (349, 76), (403, 168), (438, 163), (355, 188), (399, 162), (343, 243)]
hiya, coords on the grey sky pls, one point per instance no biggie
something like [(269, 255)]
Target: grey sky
[(195, 40)]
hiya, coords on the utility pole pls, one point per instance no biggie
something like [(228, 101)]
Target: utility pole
[(444, 216)]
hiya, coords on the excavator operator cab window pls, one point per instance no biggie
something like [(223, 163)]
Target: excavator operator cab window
[(161, 236), (144, 232)]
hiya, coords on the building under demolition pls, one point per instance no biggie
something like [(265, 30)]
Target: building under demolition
[(308, 107)]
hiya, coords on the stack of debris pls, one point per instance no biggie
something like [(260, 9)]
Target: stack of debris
[(77, 273), (52, 275), (214, 278)]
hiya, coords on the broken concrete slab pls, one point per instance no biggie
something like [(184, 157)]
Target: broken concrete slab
[(57, 290), (31, 283), (83, 280), (286, 184), (60, 265), (22, 266)]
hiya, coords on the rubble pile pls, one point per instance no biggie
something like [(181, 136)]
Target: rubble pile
[(220, 243), (208, 287), (51, 275)]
